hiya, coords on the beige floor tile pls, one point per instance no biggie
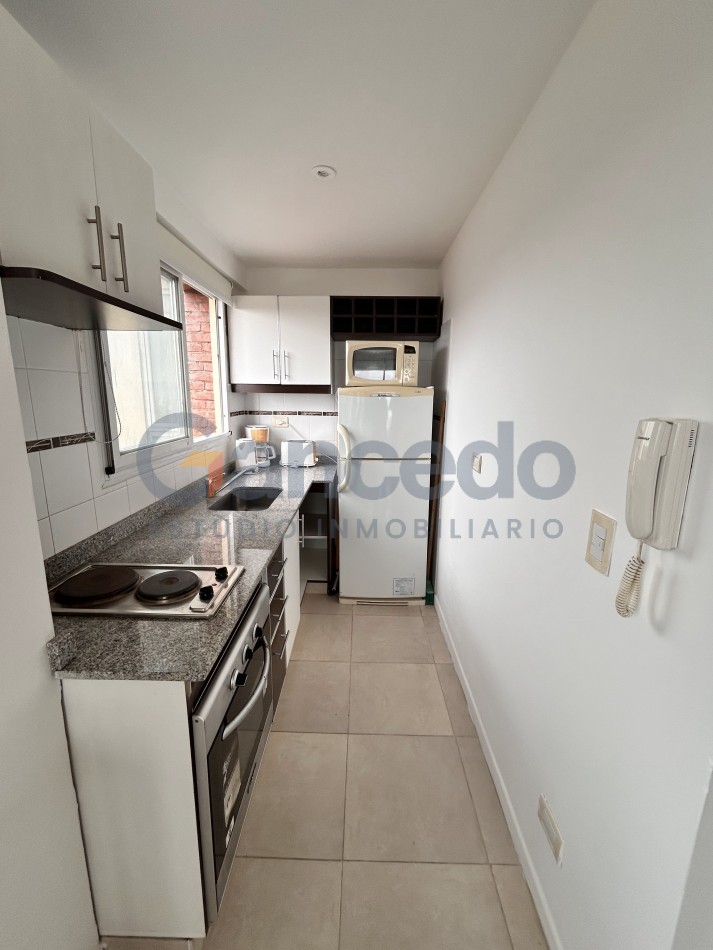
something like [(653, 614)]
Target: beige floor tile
[(315, 698), (439, 647), (407, 800), (455, 701), (496, 833), (279, 905), (520, 914), (297, 807), (397, 698), (420, 907), (397, 611), (323, 604), (387, 640), (323, 637)]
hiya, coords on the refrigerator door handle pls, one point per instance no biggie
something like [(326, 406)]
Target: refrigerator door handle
[(344, 434)]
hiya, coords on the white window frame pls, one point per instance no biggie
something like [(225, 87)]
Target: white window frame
[(131, 463)]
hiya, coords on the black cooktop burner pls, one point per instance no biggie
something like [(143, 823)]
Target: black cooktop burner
[(97, 586), (168, 587)]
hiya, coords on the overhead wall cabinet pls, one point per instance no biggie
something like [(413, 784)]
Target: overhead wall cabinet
[(280, 344), (60, 161)]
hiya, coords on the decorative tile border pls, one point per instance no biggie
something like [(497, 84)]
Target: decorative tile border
[(280, 412), (59, 441)]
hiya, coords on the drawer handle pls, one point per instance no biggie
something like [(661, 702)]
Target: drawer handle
[(287, 636)]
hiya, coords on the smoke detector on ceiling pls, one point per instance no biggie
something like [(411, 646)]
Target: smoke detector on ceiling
[(324, 171)]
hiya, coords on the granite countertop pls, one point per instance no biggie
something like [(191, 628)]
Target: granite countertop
[(101, 647)]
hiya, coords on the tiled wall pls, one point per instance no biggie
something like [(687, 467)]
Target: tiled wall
[(68, 480), (311, 416)]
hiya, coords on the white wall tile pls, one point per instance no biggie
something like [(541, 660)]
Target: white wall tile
[(164, 481), (56, 403), (73, 524), (189, 469), (141, 492), (323, 428), (112, 507), (38, 484), (18, 353), (270, 401), (48, 347), (23, 391), (68, 481), (46, 537)]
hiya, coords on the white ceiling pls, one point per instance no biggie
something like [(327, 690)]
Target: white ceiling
[(233, 101)]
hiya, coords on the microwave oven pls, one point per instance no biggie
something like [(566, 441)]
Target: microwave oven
[(387, 362)]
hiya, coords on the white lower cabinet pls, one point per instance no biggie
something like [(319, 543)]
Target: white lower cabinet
[(291, 550), (131, 759)]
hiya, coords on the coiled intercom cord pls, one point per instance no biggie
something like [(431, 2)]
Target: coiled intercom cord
[(627, 598)]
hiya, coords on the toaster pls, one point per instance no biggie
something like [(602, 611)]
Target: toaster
[(298, 452)]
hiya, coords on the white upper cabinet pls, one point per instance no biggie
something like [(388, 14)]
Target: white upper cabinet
[(59, 159), (47, 187), (254, 341), (280, 341), (305, 341), (125, 194)]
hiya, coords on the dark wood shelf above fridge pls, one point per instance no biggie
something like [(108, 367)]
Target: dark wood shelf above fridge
[(386, 318)]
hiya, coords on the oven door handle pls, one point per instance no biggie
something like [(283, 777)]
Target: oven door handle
[(257, 693)]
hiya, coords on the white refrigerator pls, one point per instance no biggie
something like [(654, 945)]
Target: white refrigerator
[(384, 439)]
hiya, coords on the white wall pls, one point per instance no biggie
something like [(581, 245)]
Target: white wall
[(579, 292), (345, 281), (44, 897), (695, 925)]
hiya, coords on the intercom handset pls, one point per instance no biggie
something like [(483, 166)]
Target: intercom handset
[(659, 471)]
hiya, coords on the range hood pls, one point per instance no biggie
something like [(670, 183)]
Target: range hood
[(44, 297)]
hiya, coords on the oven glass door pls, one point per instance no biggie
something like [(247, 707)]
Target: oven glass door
[(231, 760), (378, 363)]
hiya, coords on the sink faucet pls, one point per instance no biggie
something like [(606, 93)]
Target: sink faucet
[(243, 471)]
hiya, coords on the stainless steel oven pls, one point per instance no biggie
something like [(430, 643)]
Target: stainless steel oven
[(231, 722)]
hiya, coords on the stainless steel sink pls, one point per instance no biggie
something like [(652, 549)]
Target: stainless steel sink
[(245, 499)]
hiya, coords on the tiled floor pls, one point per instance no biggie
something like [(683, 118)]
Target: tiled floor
[(374, 824)]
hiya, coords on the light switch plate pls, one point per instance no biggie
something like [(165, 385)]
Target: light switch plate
[(477, 463), (600, 541), (279, 422)]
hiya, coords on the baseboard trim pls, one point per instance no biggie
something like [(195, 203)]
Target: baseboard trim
[(528, 867)]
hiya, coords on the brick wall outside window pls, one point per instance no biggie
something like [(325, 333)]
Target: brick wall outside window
[(200, 360)]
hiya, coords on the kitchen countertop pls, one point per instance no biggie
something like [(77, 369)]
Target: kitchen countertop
[(101, 647)]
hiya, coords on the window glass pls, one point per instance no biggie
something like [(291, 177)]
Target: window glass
[(374, 362), (202, 314), (147, 380)]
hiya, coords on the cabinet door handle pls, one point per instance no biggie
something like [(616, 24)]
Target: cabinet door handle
[(97, 220), (302, 531), (285, 356), (275, 364), (119, 236)]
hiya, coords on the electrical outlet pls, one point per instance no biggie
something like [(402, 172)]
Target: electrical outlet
[(549, 825), (477, 463), (279, 422)]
